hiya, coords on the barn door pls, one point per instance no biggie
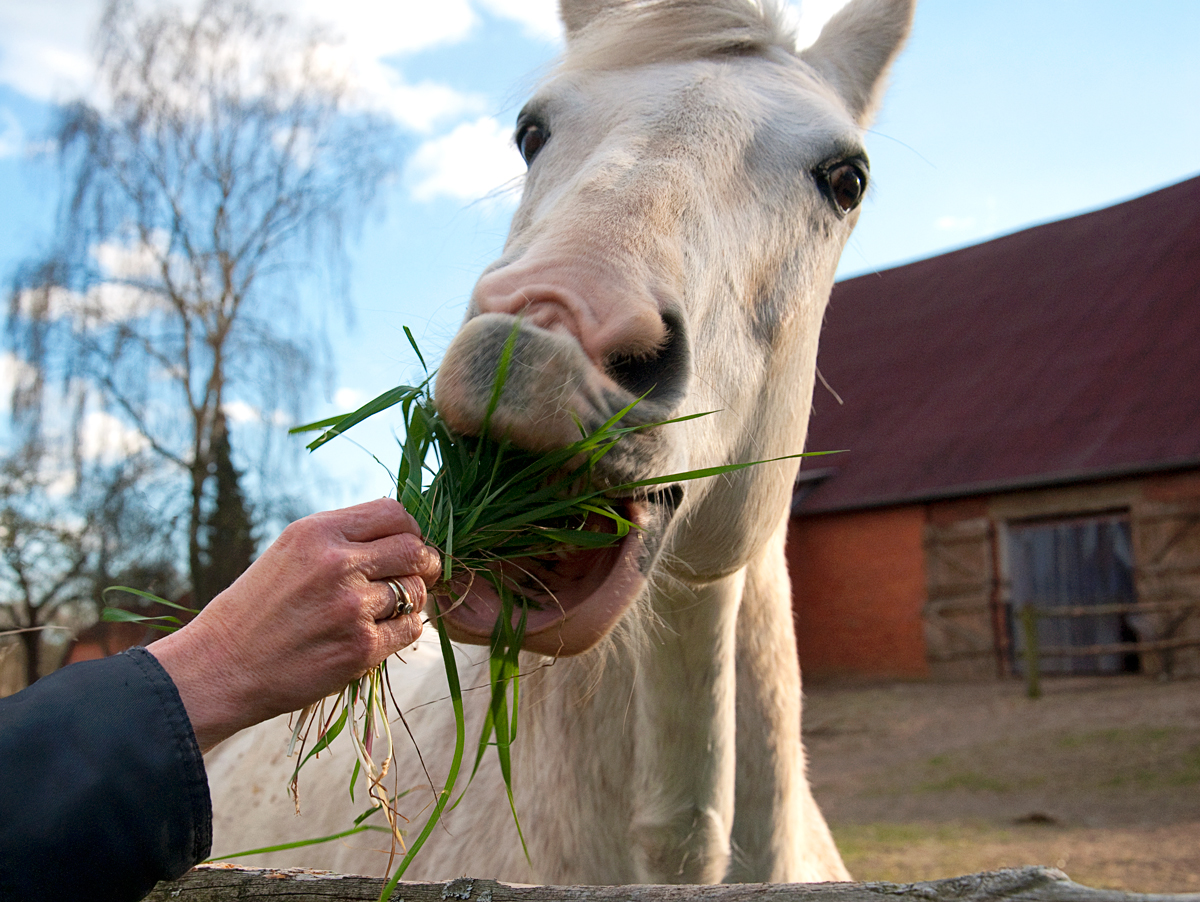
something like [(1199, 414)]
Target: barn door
[(1076, 563)]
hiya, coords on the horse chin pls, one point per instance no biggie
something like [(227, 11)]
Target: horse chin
[(576, 599)]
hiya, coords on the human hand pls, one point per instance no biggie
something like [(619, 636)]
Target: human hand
[(309, 616)]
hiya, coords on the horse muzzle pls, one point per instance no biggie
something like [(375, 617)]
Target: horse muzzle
[(552, 390)]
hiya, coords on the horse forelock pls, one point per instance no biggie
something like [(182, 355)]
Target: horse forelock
[(656, 31)]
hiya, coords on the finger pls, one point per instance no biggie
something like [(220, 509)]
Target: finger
[(401, 555), (398, 630), (412, 588), (375, 520), (384, 600), (403, 595), (397, 634)]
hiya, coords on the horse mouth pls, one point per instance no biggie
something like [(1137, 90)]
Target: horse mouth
[(552, 391), (571, 599)]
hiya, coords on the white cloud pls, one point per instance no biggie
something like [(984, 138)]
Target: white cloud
[(116, 302), (369, 34), (106, 439), (45, 51), (379, 30), (50, 303), (124, 263), (44, 47), (471, 162), (981, 221), (131, 260), (421, 106), (241, 412), (107, 302), (348, 399), (103, 438), (539, 17), (13, 372)]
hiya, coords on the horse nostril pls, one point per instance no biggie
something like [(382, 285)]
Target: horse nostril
[(660, 376)]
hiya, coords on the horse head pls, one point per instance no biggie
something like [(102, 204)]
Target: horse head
[(692, 181)]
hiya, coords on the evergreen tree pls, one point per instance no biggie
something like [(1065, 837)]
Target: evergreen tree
[(228, 527)]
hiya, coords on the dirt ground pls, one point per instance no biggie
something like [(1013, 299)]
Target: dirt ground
[(1100, 777)]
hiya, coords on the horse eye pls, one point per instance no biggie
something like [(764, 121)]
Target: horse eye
[(847, 183), (530, 139)]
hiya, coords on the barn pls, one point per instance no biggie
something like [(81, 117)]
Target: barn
[(1021, 425)]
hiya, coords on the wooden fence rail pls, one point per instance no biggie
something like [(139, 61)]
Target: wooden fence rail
[(217, 883), (1137, 607), (1034, 651)]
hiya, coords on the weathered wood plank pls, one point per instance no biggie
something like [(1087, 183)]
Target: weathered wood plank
[(1134, 607), (222, 883), (1116, 648)]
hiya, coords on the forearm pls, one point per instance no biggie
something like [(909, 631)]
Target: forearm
[(102, 788)]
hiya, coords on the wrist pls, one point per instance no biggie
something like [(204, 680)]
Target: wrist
[(214, 712)]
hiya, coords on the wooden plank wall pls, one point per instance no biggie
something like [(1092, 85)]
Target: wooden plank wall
[(965, 625)]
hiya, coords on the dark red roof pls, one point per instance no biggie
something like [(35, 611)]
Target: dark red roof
[(1065, 352)]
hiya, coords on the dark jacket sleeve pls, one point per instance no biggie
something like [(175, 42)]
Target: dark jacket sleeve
[(102, 787)]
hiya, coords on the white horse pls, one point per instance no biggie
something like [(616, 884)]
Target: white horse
[(692, 181)]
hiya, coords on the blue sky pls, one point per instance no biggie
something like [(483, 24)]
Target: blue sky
[(1000, 115)]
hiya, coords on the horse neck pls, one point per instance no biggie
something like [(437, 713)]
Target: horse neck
[(640, 737)]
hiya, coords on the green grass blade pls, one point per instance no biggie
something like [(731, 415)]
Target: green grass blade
[(455, 763), (318, 424), (149, 597), (449, 541), (328, 737), (481, 502), (389, 398), (118, 615), (416, 350), (506, 354), (300, 843), (580, 538), (705, 472)]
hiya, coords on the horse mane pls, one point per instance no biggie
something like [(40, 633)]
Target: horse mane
[(655, 31)]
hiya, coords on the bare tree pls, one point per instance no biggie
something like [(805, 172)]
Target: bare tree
[(59, 549), (224, 157), (44, 561)]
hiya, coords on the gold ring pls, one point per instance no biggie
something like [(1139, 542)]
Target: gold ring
[(404, 604)]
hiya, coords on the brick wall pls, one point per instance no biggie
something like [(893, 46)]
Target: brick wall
[(858, 590)]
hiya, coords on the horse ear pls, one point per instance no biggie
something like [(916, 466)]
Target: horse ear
[(576, 14), (856, 47)]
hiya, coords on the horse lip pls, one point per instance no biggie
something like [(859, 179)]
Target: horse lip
[(562, 632), (532, 417)]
